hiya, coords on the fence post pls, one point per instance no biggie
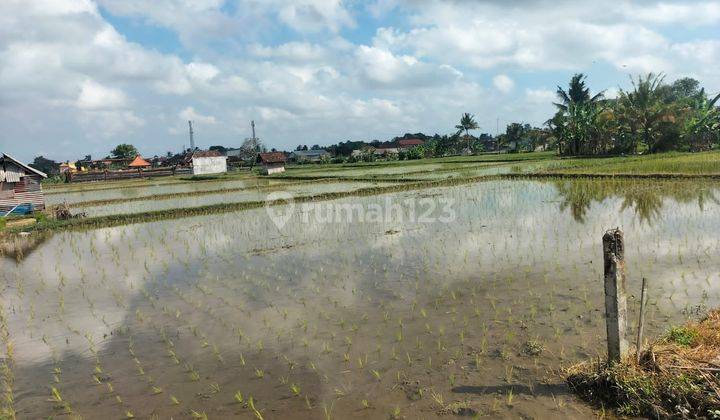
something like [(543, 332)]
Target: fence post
[(615, 296)]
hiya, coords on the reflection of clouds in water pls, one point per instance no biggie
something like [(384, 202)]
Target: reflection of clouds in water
[(501, 227)]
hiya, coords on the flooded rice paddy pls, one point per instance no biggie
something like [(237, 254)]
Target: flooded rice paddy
[(104, 191), (228, 316), (257, 194)]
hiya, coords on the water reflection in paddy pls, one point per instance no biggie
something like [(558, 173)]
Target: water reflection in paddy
[(400, 315)]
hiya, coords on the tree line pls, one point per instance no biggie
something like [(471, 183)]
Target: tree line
[(652, 116)]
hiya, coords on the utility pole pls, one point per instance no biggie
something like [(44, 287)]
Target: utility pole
[(192, 140), (497, 126)]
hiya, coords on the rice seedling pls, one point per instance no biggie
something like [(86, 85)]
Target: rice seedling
[(295, 389)]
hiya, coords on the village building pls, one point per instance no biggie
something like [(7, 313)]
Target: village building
[(385, 151), (272, 163), (208, 162), (313, 155), (409, 143), (67, 167), (20, 186), (138, 163)]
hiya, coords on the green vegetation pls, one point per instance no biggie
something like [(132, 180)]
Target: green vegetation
[(652, 117), (124, 151), (676, 376), (683, 336), (661, 163)]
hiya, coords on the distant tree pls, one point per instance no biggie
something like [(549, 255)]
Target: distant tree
[(45, 165), (686, 89), (124, 151), (514, 136), (702, 130), (467, 123), (250, 148), (315, 147), (304, 148)]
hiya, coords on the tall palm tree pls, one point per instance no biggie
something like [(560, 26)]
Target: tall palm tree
[(577, 93), (467, 123), (577, 111), (644, 111)]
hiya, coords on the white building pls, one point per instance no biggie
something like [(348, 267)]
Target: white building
[(208, 162)]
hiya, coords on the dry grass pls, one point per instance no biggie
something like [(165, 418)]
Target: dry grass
[(678, 376)]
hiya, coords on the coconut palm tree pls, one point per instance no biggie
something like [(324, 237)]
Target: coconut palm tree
[(467, 123), (577, 93), (644, 112), (577, 112)]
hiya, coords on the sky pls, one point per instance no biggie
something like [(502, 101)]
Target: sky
[(78, 77)]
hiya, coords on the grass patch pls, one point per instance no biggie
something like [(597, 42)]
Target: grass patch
[(678, 376), (682, 335), (661, 163)]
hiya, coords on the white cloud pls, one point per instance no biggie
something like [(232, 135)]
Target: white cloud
[(381, 67), (540, 96), (303, 67), (690, 13), (94, 96), (503, 83), (291, 51), (203, 72), (189, 114), (312, 15)]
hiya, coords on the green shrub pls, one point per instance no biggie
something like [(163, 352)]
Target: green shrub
[(683, 336)]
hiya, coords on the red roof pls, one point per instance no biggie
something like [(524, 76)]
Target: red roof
[(206, 153), (139, 162), (272, 157), (410, 142)]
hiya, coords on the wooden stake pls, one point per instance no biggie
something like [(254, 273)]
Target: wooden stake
[(641, 323), (615, 296)]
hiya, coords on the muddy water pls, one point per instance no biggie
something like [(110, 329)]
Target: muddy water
[(364, 319), (303, 189), (75, 196)]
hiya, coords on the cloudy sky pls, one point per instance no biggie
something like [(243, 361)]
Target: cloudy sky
[(79, 76)]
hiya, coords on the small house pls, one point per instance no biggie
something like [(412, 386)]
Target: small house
[(205, 162), (409, 143), (386, 151), (312, 155), (19, 185), (139, 162), (273, 162)]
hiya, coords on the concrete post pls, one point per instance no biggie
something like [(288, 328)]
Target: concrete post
[(615, 296)]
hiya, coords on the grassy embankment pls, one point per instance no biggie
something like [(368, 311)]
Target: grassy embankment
[(677, 377), (706, 163)]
